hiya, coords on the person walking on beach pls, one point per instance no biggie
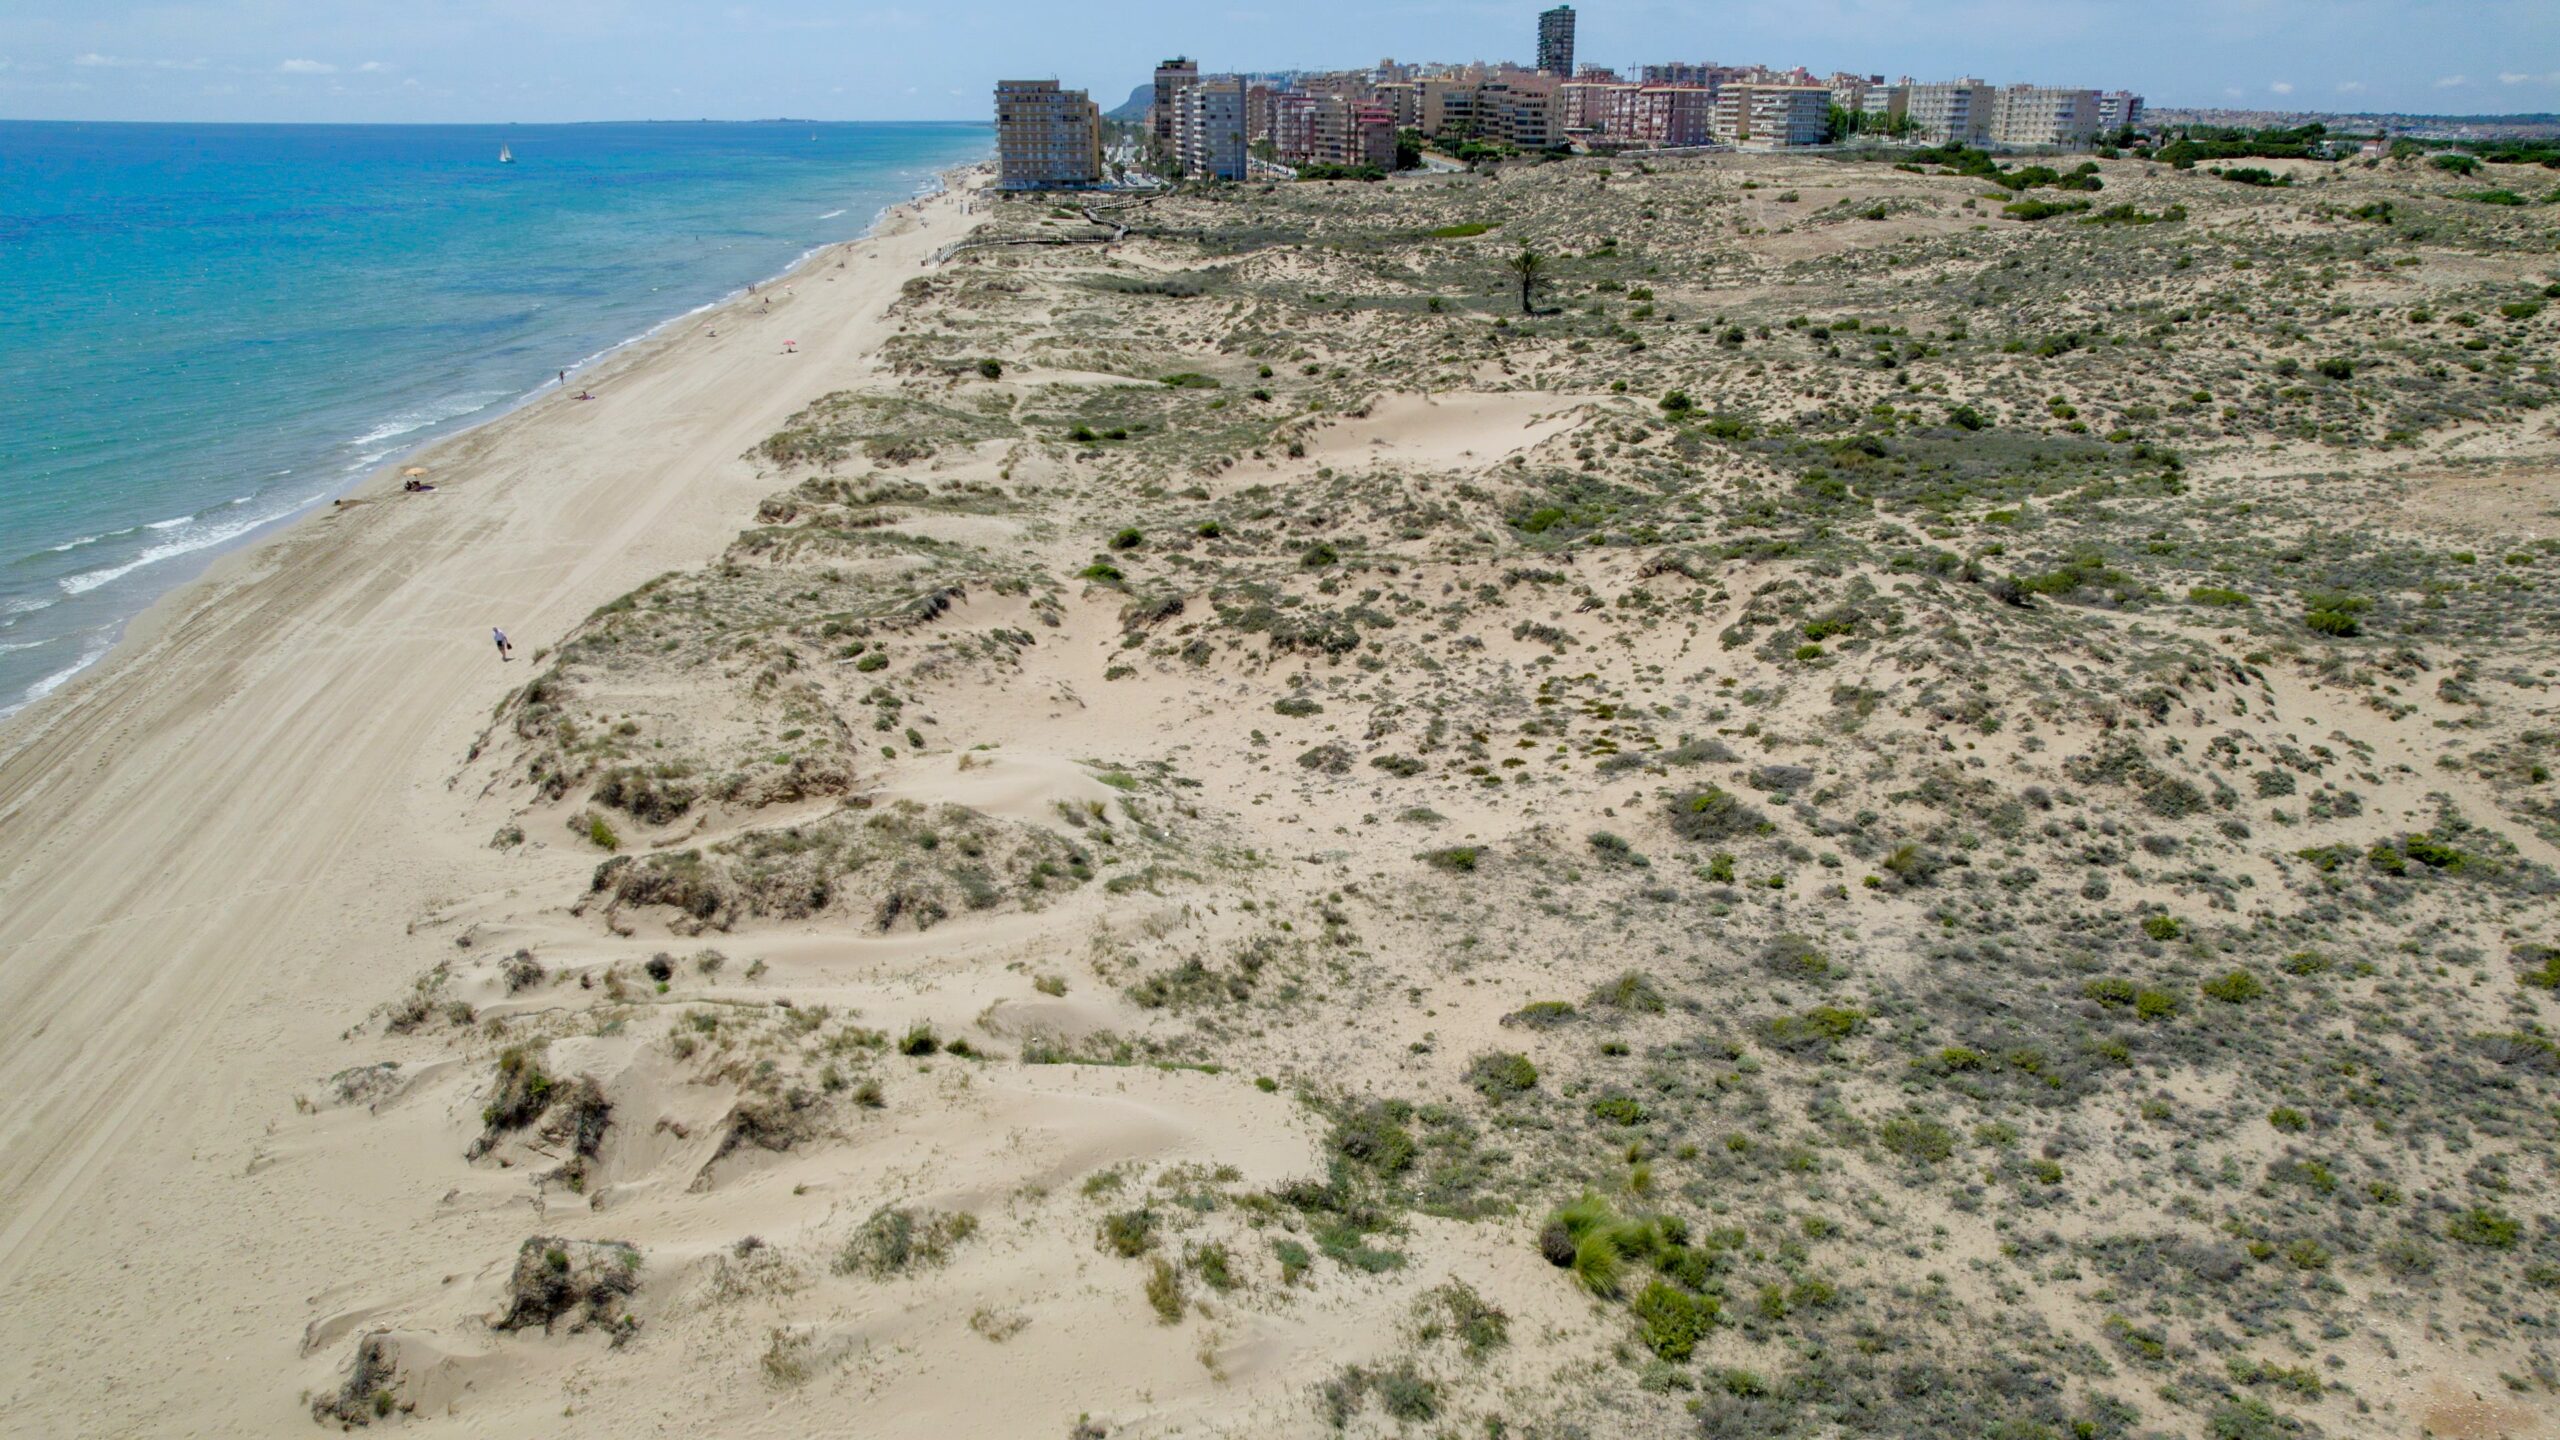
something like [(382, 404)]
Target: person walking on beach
[(506, 647)]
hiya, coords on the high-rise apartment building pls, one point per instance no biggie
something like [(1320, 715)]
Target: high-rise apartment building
[(1555, 41), (1261, 112), (1588, 106), (1171, 77), (1785, 115), (2044, 115), (1769, 117), (1352, 133), (2117, 109), (1403, 99), (1046, 136), (1208, 128), (1448, 107), (1293, 126), (1951, 112), (1663, 116), (1525, 110)]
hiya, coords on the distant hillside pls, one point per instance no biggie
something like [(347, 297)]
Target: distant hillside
[(1135, 107)]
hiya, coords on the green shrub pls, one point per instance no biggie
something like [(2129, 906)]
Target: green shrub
[(1816, 1029), (2236, 988), (1618, 1110), (1541, 1014), (1480, 1326), (1713, 813), (1916, 1138), (1674, 1321), (2485, 1227), (2215, 595), (2288, 1119), (1499, 1074), (1164, 1291), (2150, 1004), (1633, 991), (1127, 1233), (1457, 859), (896, 1240), (2334, 613), (2162, 927), (2112, 990), (2032, 210)]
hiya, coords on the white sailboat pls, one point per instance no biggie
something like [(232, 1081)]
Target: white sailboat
[(506, 156)]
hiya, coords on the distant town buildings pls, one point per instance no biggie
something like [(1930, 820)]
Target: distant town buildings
[(1219, 127), (1046, 136), (1555, 41)]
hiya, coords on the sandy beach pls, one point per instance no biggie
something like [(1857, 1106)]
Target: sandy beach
[(193, 844)]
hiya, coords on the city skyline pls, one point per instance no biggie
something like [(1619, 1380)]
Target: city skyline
[(369, 61)]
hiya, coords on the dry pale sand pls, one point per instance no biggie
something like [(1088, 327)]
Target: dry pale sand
[(203, 845)]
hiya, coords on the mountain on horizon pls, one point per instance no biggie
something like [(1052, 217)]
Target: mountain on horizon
[(1135, 107)]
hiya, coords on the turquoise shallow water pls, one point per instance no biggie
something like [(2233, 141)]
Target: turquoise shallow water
[(206, 329)]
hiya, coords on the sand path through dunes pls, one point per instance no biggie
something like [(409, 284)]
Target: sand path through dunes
[(192, 839)]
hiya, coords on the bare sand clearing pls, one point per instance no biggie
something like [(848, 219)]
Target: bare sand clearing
[(196, 857)]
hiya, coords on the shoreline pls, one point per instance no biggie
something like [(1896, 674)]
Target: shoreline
[(191, 832), (52, 688)]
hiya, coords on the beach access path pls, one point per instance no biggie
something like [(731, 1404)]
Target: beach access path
[(197, 840)]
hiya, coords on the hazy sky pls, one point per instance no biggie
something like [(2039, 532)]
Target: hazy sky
[(841, 59)]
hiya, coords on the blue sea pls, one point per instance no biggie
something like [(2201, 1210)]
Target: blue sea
[(207, 329)]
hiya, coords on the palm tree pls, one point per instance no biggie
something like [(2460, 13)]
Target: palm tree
[(1528, 265)]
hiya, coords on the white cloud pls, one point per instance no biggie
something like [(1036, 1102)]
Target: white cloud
[(2282, 87), (92, 60), (2350, 87), (374, 67), (307, 67), (2453, 82)]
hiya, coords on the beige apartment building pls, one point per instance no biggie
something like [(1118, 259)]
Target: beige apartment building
[(1771, 117), (2044, 115), (1403, 99), (1521, 107), (1951, 112), (1046, 136)]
